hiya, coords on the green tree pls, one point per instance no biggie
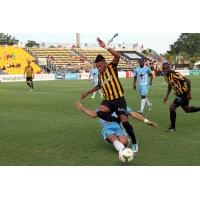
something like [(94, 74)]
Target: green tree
[(32, 43), (6, 39), (188, 43), (186, 49)]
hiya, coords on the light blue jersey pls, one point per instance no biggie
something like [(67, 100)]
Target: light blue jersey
[(142, 74), (94, 72), (110, 128)]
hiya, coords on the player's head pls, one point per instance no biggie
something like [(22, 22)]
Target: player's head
[(166, 68), (100, 63), (141, 62)]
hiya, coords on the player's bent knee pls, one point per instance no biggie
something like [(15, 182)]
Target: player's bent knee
[(123, 140), (111, 138), (187, 109)]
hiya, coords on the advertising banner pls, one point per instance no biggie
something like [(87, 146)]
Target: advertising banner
[(71, 76)]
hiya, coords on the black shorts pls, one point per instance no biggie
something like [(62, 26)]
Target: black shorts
[(117, 105), (29, 78), (182, 100)]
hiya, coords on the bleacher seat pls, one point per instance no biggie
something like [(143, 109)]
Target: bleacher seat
[(18, 57)]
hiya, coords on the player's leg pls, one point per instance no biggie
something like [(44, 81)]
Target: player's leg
[(31, 83), (27, 82), (185, 106), (124, 140), (116, 143), (121, 106), (93, 95), (149, 104), (101, 94), (143, 98), (129, 129), (172, 110), (104, 112), (143, 102)]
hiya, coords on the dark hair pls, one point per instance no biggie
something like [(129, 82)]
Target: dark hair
[(99, 58)]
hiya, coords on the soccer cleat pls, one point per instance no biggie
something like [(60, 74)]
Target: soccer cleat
[(170, 130), (139, 111), (149, 107), (135, 147), (92, 97)]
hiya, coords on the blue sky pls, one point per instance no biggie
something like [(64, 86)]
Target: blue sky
[(157, 41)]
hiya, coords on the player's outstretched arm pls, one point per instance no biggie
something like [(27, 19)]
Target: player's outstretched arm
[(88, 112), (94, 89), (167, 94), (112, 51), (142, 119)]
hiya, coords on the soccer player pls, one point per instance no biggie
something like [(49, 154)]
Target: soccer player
[(112, 131), (182, 91), (113, 92), (142, 74), (94, 72), (29, 74)]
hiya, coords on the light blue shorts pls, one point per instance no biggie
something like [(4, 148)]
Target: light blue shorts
[(143, 90), (113, 128)]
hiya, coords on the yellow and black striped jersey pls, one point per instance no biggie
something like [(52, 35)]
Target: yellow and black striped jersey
[(176, 81), (109, 83), (29, 71)]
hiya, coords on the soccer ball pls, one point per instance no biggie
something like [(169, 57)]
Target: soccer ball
[(126, 155)]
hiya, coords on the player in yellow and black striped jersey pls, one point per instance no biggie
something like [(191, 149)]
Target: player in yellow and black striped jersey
[(182, 87), (113, 92), (29, 74)]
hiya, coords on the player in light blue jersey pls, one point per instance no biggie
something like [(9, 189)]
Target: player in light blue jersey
[(94, 74), (144, 76), (112, 131)]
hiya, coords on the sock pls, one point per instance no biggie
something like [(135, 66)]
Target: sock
[(107, 117), (100, 93), (194, 109), (129, 129), (143, 102), (94, 94), (147, 102), (32, 85), (118, 145), (173, 119), (28, 84)]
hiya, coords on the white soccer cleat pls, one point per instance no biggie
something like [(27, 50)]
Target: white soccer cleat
[(139, 111), (92, 97)]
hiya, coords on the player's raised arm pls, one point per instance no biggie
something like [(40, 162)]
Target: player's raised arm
[(94, 89), (88, 112), (112, 51)]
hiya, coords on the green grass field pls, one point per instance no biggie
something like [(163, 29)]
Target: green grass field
[(45, 128)]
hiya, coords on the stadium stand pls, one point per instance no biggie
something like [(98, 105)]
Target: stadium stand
[(59, 58), (76, 59), (13, 60)]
